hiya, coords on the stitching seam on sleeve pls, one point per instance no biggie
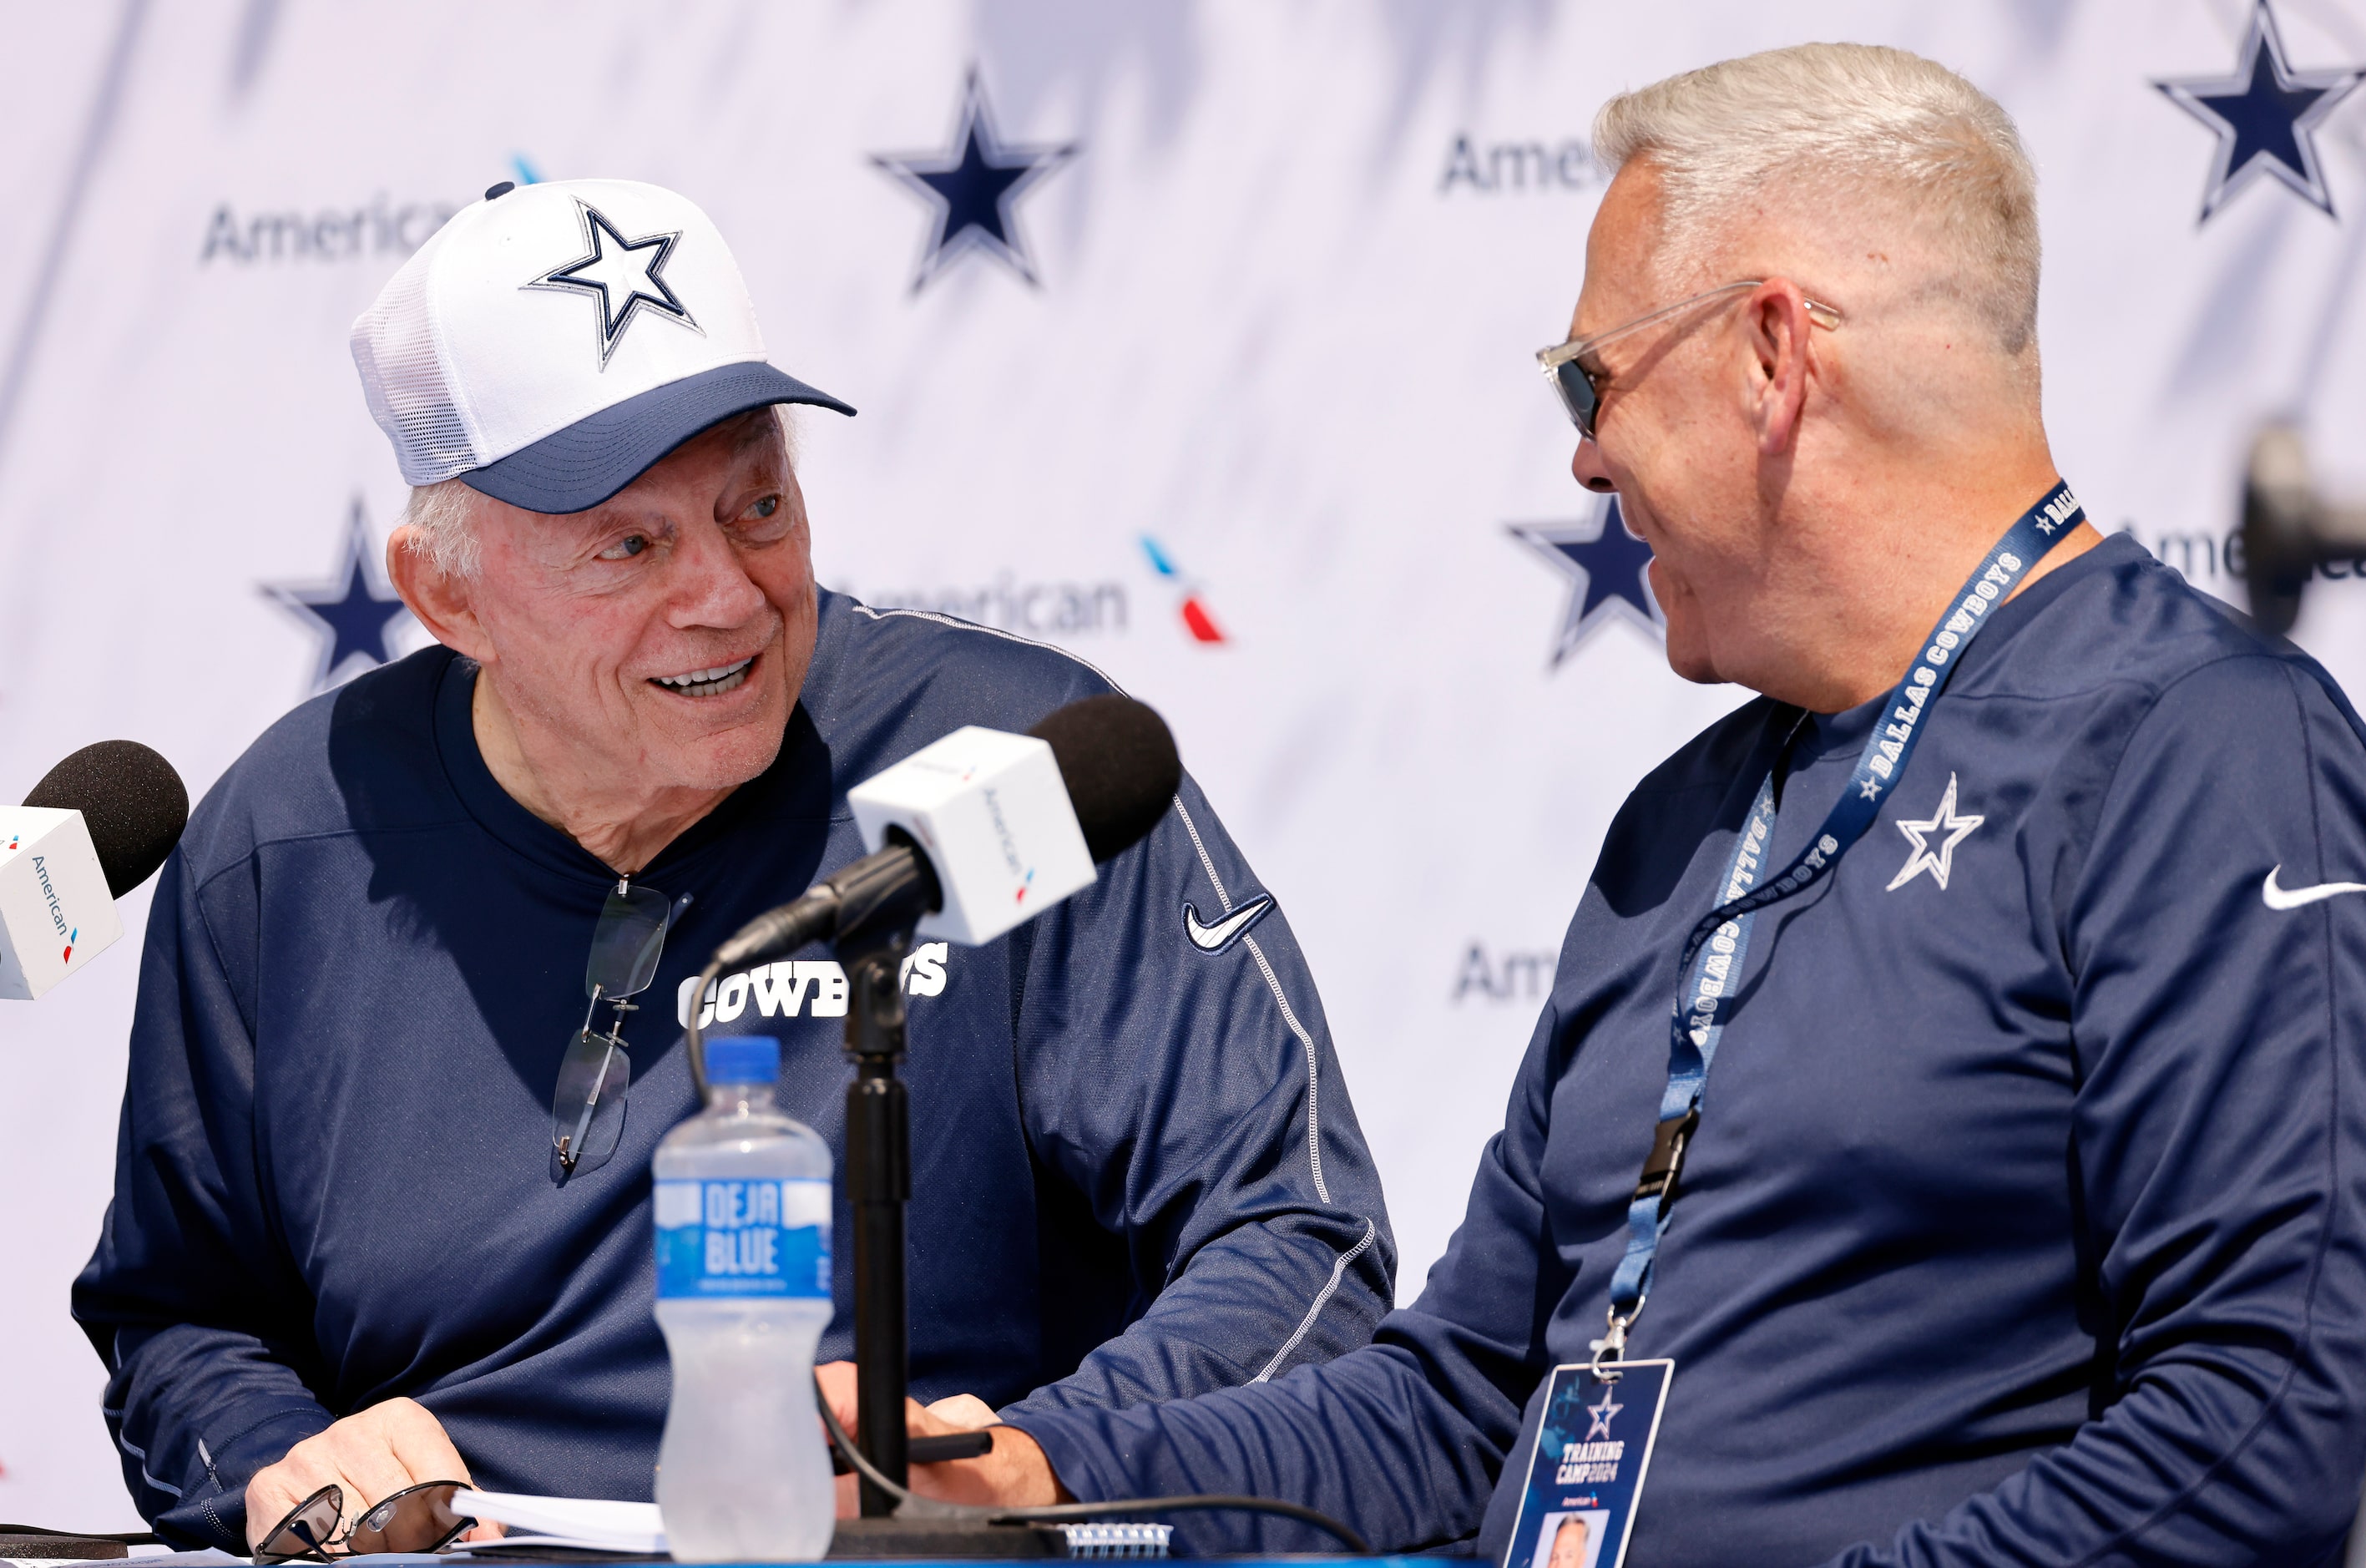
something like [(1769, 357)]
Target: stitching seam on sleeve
[(1282, 1000), (139, 1456), (1322, 1299), (1314, 1067), (1206, 863)]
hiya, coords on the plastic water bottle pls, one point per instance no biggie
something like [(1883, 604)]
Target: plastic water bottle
[(743, 1295)]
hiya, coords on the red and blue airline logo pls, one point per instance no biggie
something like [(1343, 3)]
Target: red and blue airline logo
[(1195, 619), (69, 941), (13, 839)]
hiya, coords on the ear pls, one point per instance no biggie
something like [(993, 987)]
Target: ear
[(1776, 324), (441, 602)]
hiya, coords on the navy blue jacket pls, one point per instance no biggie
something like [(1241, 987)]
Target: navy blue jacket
[(2026, 1218), (1136, 1173)]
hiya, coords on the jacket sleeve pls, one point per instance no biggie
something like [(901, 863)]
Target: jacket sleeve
[(2218, 1148), (1401, 1440), (190, 1299), (1188, 1097)]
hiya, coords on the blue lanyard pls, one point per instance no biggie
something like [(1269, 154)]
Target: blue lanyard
[(1714, 952)]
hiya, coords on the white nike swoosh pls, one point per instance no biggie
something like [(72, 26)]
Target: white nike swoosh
[(1216, 938), (2276, 897)]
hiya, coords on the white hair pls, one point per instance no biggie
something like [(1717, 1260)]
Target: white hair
[(443, 513), (1872, 121), (437, 515)]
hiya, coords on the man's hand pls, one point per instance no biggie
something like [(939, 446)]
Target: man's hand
[(1014, 1475), (371, 1456)]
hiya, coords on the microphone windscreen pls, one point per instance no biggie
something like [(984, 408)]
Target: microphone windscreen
[(1118, 761), (133, 803)]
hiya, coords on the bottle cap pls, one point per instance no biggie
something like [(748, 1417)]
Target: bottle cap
[(743, 1058)]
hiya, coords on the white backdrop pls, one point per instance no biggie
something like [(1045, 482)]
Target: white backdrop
[(1260, 344)]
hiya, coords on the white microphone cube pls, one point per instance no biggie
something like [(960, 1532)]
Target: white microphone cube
[(56, 914), (991, 814)]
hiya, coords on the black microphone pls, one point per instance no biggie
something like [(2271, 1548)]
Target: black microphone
[(1118, 766), (133, 803), (97, 826)]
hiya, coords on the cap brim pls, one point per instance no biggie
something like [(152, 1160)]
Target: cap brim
[(582, 466)]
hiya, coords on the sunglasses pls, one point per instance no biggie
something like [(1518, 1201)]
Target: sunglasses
[(417, 1518), (1578, 375), (587, 1110)]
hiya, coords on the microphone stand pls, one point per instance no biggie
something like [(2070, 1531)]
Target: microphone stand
[(879, 1181), (870, 948)]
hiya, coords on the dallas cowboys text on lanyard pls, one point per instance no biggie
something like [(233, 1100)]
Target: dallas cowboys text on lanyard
[(1711, 965)]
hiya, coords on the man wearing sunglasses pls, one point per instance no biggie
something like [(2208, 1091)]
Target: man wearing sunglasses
[(1954, 1069), (407, 1032)]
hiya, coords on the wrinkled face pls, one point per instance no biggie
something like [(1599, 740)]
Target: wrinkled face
[(661, 638), (1671, 437), (1569, 1545)]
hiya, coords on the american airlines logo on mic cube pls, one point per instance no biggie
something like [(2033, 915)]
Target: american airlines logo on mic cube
[(991, 814), (55, 911)]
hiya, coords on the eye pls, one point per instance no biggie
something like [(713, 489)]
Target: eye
[(626, 548), (767, 506)]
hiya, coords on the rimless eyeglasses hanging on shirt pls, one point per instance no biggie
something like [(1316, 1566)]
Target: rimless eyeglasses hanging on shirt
[(587, 1111)]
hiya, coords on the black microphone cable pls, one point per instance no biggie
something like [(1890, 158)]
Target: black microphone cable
[(1075, 1513), (693, 1045)]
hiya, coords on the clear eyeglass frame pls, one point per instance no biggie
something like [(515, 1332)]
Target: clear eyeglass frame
[(1579, 383)]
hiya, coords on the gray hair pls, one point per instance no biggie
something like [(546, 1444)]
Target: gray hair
[(443, 513), (439, 516), (1875, 121)]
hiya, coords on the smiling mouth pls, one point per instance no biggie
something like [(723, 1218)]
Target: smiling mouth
[(706, 683)]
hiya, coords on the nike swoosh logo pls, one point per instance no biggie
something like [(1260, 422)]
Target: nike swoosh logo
[(1224, 932), (2276, 897)]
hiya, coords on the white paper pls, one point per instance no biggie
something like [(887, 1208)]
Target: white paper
[(572, 1521)]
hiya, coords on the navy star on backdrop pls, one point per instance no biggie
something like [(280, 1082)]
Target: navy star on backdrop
[(632, 268), (353, 613), (1605, 565), (974, 189), (2265, 115)]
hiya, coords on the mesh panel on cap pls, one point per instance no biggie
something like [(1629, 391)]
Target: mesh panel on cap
[(402, 377)]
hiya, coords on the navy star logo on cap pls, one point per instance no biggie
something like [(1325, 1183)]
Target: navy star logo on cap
[(353, 613), (2265, 115), (625, 276), (974, 190), (1605, 564)]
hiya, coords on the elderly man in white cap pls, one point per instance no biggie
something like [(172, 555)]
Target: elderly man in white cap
[(366, 1233)]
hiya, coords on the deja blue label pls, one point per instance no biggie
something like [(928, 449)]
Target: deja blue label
[(1593, 1446), (743, 1238)]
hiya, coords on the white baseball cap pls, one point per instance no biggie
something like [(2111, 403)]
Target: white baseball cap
[(552, 341)]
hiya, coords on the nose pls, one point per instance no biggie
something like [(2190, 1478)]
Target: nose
[(1589, 468), (711, 586)]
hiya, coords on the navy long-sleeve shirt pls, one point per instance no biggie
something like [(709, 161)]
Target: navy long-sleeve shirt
[(1136, 1173), (2025, 1223)]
